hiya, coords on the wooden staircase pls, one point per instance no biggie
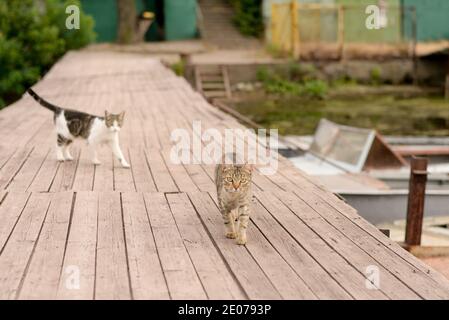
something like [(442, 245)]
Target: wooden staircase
[(218, 28), (213, 82)]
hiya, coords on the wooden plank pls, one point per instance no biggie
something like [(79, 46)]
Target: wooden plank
[(178, 173), (123, 177), (85, 172), (182, 279), (46, 174), (13, 165), (338, 268), (360, 260), (78, 272), (10, 210), (146, 120), (104, 173), (28, 171), (249, 274), (417, 281), (218, 282), (42, 277), (323, 285), (201, 179), (65, 176), (5, 154), (147, 278), (143, 179), (16, 254), (281, 275), (112, 280), (162, 178), (305, 186)]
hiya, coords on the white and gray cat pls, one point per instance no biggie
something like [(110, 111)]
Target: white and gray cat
[(233, 182), (72, 124)]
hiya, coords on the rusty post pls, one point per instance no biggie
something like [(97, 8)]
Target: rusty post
[(416, 196)]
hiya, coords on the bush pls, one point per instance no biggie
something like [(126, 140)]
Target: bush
[(31, 40), (376, 76), (74, 38), (248, 16), (315, 89), (178, 68), (297, 82)]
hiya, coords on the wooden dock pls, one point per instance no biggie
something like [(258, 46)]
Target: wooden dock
[(74, 231)]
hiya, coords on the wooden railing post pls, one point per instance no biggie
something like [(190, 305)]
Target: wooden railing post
[(274, 25), (295, 30), (341, 31), (416, 197)]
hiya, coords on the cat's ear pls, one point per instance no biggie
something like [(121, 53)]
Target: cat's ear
[(121, 116), (249, 167)]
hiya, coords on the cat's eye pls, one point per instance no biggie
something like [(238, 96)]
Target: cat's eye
[(229, 179)]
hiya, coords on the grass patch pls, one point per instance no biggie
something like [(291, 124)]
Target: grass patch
[(298, 80), (178, 68), (388, 114)]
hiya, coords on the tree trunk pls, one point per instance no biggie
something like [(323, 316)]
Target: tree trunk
[(126, 21)]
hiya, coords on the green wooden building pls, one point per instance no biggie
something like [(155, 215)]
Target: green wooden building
[(432, 19), (175, 19)]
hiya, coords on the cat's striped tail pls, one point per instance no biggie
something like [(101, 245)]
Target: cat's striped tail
[(43, 102)]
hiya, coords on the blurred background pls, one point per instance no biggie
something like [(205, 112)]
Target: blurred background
[(356, 88)]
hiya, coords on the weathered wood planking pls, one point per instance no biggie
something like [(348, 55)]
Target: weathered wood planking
[(154, 231)]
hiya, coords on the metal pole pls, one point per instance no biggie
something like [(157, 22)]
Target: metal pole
[(416, 196)]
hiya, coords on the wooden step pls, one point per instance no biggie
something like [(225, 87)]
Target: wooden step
[(213, 85), (211, 78), (214, 94)]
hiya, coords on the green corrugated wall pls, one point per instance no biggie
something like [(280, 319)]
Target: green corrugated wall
[(355, 22), (104, 13), (432, 19), (180, 18)]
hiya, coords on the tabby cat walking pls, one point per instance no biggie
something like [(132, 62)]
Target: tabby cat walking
[(233, 182), (71, 124)]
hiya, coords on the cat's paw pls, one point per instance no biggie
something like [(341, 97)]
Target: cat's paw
[(125, 164), (69, 158), (60, 159), (231, 235), (241, 240), (96, 162)]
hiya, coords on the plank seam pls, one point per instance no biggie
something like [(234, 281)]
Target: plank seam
[(126, 249), (69, 227), (15, 223), (20, 167), (37, 171), (185, 248), (25, 272), (373, 257), (156, 248), (330, 245), (228, 267)]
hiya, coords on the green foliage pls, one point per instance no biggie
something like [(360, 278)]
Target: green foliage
[(292, 115), (248, 16), (376, 76), (178, 68), (298, 82), (32, 39), (73, 38)]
